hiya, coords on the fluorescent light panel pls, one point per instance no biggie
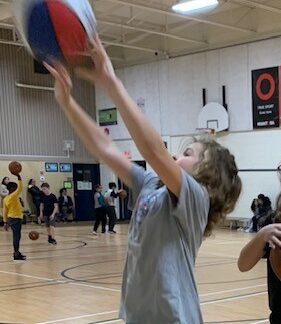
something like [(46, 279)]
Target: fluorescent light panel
[(186, 6)]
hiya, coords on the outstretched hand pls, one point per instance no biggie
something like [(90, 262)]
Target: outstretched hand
[(102, 72), (63, 83)]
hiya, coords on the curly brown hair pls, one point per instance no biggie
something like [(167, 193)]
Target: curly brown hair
[(218, 172)]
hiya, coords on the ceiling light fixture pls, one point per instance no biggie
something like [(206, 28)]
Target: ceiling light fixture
[(190, 5)]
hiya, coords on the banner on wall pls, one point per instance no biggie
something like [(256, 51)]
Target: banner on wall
[(266, 97)]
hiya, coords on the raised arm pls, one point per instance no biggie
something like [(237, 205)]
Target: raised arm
[(18, 191), (92, 136), (255, 249), (146, 138)]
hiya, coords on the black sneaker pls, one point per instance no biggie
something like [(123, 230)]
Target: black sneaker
[(52, 241), (112, 232), (19, 257)]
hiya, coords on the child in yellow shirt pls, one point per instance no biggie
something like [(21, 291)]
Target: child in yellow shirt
[(12, 215)]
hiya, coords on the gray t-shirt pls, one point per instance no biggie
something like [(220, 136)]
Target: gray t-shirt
[(164, 237)]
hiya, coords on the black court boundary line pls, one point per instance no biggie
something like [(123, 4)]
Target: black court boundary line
[(90, 236), (63, 273), (104, 321), (83, 244), (93, 249), (259, 170), (238, 321), (36, 286)]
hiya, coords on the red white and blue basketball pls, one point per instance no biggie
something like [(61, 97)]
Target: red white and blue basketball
[(55, 29)]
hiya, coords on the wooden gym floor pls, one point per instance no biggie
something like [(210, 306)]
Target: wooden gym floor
[(78, 281)]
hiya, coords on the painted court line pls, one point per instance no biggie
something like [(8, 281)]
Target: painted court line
[(113, 321), (61, 281), (78, 317), (231, 290), (233, 298), (259, 322), (29, 276), (91, 286)]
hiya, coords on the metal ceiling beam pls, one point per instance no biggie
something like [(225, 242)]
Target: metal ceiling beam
[(108, 12), (144, 49), (173, 14), (149, 31), (110, 43), (254, 4), (138, 48), (6, 26)]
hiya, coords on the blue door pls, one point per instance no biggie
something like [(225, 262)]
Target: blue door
[(124, 212), (85, 177)]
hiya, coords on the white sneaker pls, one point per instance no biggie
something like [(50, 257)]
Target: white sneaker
[(95, 233)]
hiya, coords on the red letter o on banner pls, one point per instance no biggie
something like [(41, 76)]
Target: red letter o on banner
[(261, 95)]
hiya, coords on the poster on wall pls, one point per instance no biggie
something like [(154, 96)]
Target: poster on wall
[(51, 167), (108, 117), (65, 167), (266, 97)]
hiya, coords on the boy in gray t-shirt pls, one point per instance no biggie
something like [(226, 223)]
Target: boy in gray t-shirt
[(164, 238)]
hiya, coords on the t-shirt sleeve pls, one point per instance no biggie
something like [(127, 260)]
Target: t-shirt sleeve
[(191, 210), (55, 200), (139, 178)]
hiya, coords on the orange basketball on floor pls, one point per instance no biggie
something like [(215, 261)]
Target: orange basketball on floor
[(275, 260), (15, 167), (123, 194), (33, 235)]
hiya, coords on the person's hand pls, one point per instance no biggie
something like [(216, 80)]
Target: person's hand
[(63, 83), (41, 217), (52, 217), (6, 227), (102, 72), (272, 235)]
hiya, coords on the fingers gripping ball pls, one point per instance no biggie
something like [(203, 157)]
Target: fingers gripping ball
[(275, 260), (33, 235), (15, 167), (55, 29)]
